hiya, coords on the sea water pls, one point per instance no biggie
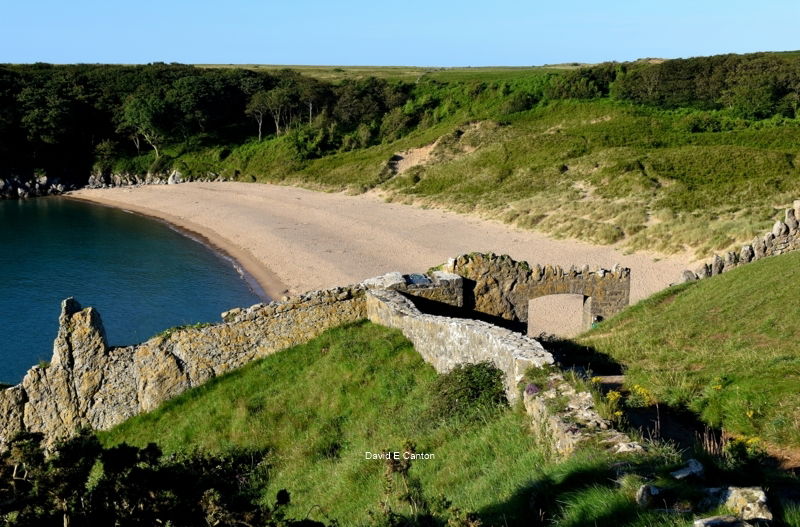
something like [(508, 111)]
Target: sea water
[(141, 275)]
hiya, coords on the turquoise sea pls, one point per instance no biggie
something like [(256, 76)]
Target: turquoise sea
[(141, 275)]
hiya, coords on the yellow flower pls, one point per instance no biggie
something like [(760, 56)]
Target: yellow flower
[(618, 413), (749, 414), (752, 441), (717, 386), (613, 396), (597, 380)]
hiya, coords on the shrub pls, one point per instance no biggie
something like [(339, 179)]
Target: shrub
[(466, 390), (518, 102)]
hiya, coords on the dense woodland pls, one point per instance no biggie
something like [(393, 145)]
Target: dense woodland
[(61, 121)]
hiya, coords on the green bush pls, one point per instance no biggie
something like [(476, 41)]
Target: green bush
[(466, 390)]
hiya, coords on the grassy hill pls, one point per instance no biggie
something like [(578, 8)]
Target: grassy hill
[(603, 171), (319, 407), (724, 347)]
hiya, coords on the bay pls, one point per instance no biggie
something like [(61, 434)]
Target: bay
[(139, 273)]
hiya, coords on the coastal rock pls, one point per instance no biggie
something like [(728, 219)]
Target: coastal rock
[(688, 276), (759, 249), (769, 238), (704, 271), (12, 402), (174, 178), (731, 260), (87, 384), (64, 390)]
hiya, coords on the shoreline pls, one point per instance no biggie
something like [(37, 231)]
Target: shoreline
[(262, 280), (293, 240)]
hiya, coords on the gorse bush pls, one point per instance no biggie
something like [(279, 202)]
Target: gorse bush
[(466, 390)]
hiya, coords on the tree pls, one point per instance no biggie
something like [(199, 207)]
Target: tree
[(278, 100), (257, 108), (144, 115)]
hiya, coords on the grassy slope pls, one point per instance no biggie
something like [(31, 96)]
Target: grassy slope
[(320, 406), (601, 171), (725, 347)]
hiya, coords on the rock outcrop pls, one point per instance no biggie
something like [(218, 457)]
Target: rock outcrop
[(89, 384), (127, 179), (16, 187)]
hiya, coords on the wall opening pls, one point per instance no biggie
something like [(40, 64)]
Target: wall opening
[(562, 315)]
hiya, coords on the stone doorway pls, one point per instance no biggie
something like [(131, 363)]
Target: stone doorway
[(563, 315)]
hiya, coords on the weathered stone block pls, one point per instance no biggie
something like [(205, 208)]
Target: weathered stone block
[(704, 271), (791, 220), (731, 259), (717, 265), (746, 254), (780, 229)]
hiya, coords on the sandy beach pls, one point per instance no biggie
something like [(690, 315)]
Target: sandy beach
[(293, 240)]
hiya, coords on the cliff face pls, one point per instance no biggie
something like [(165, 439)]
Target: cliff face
[(88, 384)]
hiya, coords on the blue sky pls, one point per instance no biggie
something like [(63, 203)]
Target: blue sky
[(414, 32)]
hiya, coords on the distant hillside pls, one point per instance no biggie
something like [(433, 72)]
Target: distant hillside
[(673, 155)]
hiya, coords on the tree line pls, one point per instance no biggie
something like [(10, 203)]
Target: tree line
[(752, 86), (61, 119)]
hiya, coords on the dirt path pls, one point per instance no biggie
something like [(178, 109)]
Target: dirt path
[(296, 240)]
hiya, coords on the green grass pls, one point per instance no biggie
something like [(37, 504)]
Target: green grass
[(317, 408), (724, 347)]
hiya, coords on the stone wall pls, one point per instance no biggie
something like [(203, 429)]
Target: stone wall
[(784, 237), (446, 342), (89, 384), (502, 287)]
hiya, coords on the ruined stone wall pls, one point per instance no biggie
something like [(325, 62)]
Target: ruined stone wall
[(89, 384), (501, 286), (784, 237), (446, 342)]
